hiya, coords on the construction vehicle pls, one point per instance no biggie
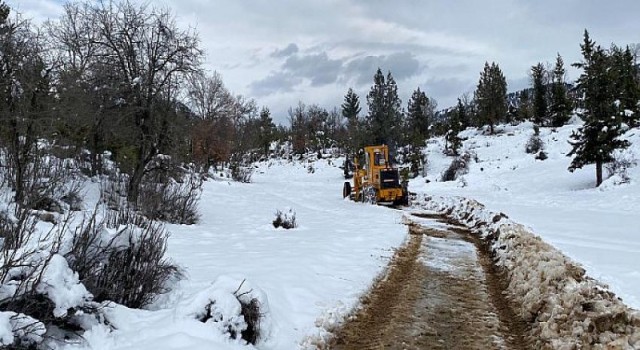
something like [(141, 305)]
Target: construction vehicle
[(375, 180)]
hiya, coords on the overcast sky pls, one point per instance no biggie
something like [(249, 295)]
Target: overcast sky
[(280, 52)]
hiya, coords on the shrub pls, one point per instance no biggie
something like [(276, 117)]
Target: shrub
[(166, 194), (620, 167), (113, 191), (47, 182), (37, 287), (250, 310), (241, 173), (534, 145), (285, 220), (172, 201), (126, 266), (235, 309), (459, 166), (542, 155)]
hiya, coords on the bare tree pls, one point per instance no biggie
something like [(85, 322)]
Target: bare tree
[(208, 97), (152, 57), (25, 98)]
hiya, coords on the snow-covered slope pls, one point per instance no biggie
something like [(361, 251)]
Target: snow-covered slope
[(597, 227)]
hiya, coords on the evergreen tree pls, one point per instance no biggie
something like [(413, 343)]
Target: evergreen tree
[(626, 88), (420, 112), (491, 96), (524, 106), (596, 140), (350, 111), (539, 94), (267, 130), (560, 109), (393, 111), (351, 105), (456, 124), (384, 110)]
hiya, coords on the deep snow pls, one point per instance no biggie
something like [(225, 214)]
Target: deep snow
[(311, 276)]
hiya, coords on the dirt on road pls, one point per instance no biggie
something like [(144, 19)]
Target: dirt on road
[(441, 291)]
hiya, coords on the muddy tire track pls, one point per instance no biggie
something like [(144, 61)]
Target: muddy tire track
[(441, 291)]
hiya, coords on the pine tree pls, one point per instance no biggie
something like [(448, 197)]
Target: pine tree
[(596, 140), (384, 110), (539, 94), (350, 111), (626, 87), (393, 111), (491, 95), (524, 106), (351, 105), (420, 111), (267, 130), (560, 109), (456, 124)]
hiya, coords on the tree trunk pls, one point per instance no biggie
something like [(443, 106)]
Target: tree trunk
[(598, 173), (146, 152), (133, 188), (96, 145)]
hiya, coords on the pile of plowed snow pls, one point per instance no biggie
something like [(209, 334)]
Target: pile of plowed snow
[(566, 308)]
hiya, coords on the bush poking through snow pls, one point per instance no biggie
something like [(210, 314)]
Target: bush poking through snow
[(241, 173), (542, 155), (233, 308), (285, 220), (168, 195), (113, 191), (39, 181), (37, 287), (459, 166), (172, 201), (620, 166), (534, 144), (123, 263), (250, 310)]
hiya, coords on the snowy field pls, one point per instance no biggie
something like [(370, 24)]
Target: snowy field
[(311, 276), (596, 227)]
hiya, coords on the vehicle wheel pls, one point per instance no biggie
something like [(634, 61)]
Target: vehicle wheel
[(369, 195), (346, 190)]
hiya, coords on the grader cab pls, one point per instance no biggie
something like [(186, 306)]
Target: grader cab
[(375, 180)]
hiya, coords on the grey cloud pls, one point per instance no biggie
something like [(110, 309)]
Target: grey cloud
[(286, 52), (274, 83), (447, 89), (318, 68), (402, 65)]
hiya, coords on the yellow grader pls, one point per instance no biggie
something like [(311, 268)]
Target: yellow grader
[(375, 180)]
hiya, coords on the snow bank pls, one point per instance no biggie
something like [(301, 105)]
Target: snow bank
[(224, 304), (566, 308), (62, 286)]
